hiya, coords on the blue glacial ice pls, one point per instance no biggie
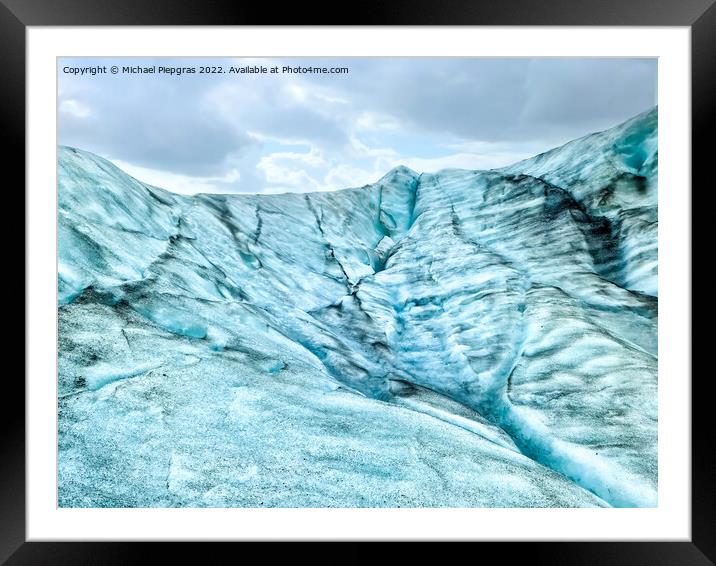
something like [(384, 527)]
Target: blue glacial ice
[(462, 338)]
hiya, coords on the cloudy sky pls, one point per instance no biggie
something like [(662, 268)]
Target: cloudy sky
[(255, 133)]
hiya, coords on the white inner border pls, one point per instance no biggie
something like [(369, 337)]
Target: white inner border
[(670, 521)]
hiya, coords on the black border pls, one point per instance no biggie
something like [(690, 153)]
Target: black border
[(15, 15)]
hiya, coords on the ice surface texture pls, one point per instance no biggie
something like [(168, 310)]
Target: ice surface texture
[(464, 338)]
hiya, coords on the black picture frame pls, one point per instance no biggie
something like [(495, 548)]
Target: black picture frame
[(16, 15)]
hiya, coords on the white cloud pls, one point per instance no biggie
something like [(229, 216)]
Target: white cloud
[(75, 108), (297, 91), (313, 157), (346, 176), (183, 184), (377, 122), (289, 170), (293, 179)]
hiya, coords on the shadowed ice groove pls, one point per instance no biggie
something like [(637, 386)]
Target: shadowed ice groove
[(462, 338), (601, 476)]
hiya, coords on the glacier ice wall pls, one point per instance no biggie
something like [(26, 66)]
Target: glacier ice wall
[(463, 338)]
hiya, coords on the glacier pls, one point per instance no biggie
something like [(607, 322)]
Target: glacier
[(450, 339)]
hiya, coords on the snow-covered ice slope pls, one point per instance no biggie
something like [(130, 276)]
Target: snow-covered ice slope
[(464, 338)]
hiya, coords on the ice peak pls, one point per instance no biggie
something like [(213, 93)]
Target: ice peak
[(400, 171)]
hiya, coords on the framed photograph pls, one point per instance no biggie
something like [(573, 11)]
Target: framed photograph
[(420, 276)]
